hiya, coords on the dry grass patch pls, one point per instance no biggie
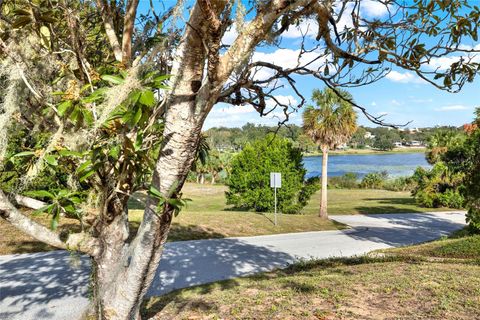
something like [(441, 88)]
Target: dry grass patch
[(391, 288)]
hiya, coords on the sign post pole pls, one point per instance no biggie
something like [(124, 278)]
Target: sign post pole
[(275, 182), (275, 191)]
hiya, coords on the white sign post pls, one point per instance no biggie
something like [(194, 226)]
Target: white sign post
[(275, 182)]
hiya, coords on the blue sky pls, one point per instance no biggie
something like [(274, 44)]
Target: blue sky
[(401, 96)]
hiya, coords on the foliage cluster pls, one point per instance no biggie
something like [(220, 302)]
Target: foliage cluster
[(373, 180), (347, 181), (438, 187), (464, 159), (249, 179)]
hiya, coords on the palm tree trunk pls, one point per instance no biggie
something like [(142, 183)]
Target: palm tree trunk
[(323, 200)]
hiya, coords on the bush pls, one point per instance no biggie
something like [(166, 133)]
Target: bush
[(374, 180), (438, 187), (249, 179), (399, 184), (347, 181), (383, 143)]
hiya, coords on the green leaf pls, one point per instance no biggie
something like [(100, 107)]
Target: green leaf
[(40, 194), (147, 98), (138, 142), (24, 154), (84, 166), (95, 95), (63, 107), (86, 175), (155, 192), (69, 153), (162, 77), (55, 220), (51, 160), (43, 209), (114, 152), (137, 116), (112, 79)]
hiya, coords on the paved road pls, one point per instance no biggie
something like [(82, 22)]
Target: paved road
[(54, 285)]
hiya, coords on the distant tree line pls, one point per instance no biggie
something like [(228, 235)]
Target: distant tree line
[(225, 139)]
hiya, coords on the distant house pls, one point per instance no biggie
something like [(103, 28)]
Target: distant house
[(369, 135), (415, 143), (397, 144)]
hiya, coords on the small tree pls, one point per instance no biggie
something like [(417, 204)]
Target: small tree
[(249, 181), (383, 143), (332, 123)]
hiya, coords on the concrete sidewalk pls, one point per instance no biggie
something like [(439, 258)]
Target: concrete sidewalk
[(53, 285)]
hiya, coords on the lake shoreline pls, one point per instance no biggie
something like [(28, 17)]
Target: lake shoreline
[(395, 164), (367, 152)]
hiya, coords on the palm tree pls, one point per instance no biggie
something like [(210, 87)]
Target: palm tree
[(330, 124)]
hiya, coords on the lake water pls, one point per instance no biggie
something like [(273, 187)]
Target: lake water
[(399, 164)]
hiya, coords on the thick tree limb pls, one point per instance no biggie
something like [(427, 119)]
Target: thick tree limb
[(128, 26), (79, 241), (29, 202), (27, 225), (110, 29)]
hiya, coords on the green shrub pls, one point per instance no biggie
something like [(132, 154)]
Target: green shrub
[(451, 198), (374, 180), (383, 143), (347, 181), (399, 184), (249, 179), (438, 187)]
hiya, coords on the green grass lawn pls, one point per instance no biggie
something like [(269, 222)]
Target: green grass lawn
[(423, 282), (207, 216)]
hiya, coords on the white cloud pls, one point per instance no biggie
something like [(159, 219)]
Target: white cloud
[(228, 109), (383, 113), (286, 100), (286, 58), (415, 100), (374, 9), (373, 103), (396, 103), (444, 63), (455, 107), (225, 115), (406, 77), (308, 28), (229, 36)]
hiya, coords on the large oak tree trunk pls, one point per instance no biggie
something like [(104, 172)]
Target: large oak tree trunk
[(124, 276)]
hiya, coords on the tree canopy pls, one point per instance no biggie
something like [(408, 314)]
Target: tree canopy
[(123, 94)]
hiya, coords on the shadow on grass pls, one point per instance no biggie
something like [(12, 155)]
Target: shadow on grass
[(180, 232), (389, 205), (183, 300), (385, 210), (28, 247)]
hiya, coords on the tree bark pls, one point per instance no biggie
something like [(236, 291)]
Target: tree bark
[(128, 27), (124, 271), (124, 274), (323, 200)]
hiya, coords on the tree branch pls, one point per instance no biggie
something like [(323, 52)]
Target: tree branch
[(128, 26), (109, 29), (25, 224), (82, 242)]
